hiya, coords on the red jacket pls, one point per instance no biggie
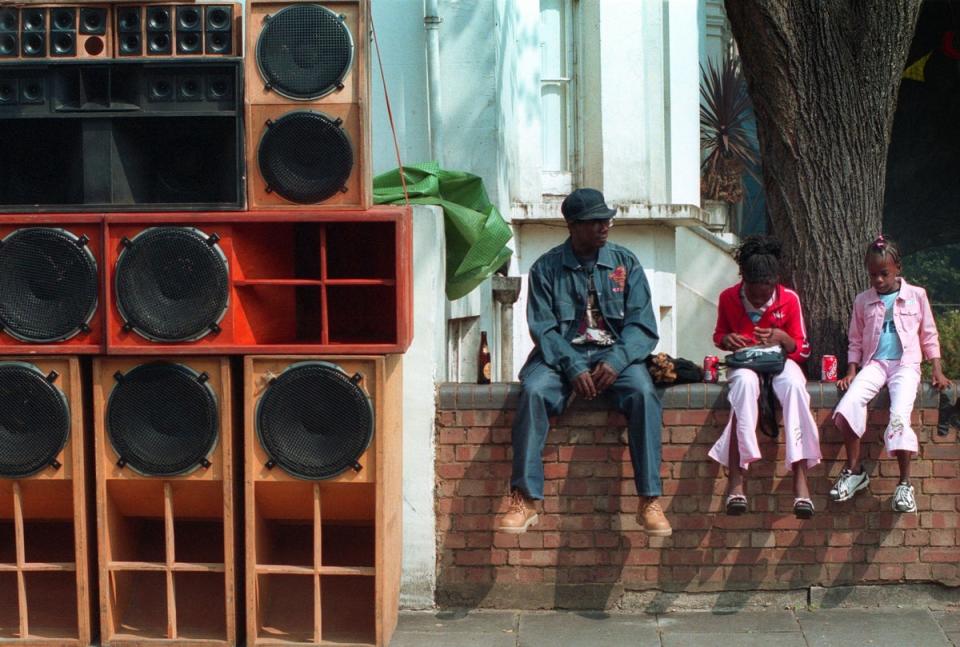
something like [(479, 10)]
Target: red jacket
[(785, 313)]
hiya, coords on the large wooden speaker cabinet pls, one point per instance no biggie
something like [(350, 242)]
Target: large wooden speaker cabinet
[(307, 104), (285, 282), (50, 280), (121, 135), (322, 441), (164, 495), (44, 584)]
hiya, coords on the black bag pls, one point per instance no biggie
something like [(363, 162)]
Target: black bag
[(765, 360), (666, 370)]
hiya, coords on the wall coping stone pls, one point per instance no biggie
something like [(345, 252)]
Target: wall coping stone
[(504, 395)]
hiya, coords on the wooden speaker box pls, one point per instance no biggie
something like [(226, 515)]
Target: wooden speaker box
[(44, 584), (307, 97), (50, 270), (177, 30), (322, 445), (164, 495), (286, 282), (57, 32)]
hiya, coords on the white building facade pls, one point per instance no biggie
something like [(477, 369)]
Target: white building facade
[(539, 97)]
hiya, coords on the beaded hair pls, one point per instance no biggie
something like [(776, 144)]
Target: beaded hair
[(759, 259), (883, 246)]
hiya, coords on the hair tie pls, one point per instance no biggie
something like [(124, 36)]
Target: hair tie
[(880, 242)]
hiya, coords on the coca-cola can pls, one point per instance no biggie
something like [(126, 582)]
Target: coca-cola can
[(710, 373), (828, 368)]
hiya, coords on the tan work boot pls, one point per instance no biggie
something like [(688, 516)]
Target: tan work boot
[(519, 516), (651, 518)]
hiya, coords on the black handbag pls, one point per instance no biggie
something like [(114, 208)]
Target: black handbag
[(765, 360), (666, 370)]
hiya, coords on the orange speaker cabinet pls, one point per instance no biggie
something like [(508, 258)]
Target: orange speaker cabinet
[(55, 306), (177, 30), (307, 96), (44, 582), (297, 282), (55, 32), (165, 532), (323, 557)]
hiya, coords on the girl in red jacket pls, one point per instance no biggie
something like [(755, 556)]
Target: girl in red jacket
[(761, 311)]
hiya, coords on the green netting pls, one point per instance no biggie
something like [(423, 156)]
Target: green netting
[(476, 233)]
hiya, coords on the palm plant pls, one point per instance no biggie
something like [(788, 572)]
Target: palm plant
[(728, 146)]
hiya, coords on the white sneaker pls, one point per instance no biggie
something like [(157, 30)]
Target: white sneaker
[(848, 484), (903, 500)]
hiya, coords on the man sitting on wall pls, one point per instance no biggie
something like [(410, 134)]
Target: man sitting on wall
[(592, 321)]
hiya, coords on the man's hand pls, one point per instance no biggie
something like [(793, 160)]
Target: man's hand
[(603, 376), (584, 387), (771, 336), (733, 341)]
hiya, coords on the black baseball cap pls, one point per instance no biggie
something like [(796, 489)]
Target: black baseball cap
[(585, 204)]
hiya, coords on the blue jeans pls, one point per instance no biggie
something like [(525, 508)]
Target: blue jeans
[(544, 394)]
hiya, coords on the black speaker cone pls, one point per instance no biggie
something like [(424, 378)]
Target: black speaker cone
[(304, 51), (63, 18), (158, 18), (93, 21), (33, 19), (305, 157), (162, 419), (130, 44), (8, 45), (188, 42), (8, 91), (33, 44), (172, 284), (8, 20), (129, 20), (188, 18), (159, 43), (218, 18), (314, 420), (34, 420), (48, 284), (64, 44), (31, 91)]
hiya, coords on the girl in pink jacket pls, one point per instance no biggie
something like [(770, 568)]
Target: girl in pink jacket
[(891, 331)]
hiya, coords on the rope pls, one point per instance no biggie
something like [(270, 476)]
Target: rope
[(393, 128)]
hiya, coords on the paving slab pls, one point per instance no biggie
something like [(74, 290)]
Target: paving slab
[(456, 629), (588, 630), (741, 622), (954, 638), (949, 620), (740, 640), (879, 627)]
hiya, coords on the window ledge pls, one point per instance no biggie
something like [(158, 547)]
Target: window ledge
[(628, 213)]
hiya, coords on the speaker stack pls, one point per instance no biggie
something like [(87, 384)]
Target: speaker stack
[(187, 232)]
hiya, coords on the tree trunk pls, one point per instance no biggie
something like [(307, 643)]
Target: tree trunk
[(823, 78)]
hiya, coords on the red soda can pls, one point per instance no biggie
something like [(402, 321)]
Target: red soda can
[(828, 368), (710, 373)]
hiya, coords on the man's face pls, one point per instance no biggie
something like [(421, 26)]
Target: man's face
[(590, 234)]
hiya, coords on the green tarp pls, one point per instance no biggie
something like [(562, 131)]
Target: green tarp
[(476, 233)]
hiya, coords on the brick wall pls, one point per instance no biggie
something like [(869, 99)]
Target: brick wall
[(588, 552)]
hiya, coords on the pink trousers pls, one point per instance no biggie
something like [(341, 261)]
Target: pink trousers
[(902, 381), (801, 436)]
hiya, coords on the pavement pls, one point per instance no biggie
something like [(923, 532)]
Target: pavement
[(840, 627)]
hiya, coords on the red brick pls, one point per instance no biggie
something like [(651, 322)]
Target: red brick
[(568, 454), (891, 571), (949, 555), (941, 486), (894, 555)]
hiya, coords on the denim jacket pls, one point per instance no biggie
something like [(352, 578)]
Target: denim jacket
[(557, 301)]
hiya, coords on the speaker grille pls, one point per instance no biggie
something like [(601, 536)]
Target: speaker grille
[(34, 420), (162, 419), (172, 284), (304, 51), (48, 284), (305, 157), (314, 421)]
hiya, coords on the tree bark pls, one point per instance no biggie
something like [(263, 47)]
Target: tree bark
[(823, 77)]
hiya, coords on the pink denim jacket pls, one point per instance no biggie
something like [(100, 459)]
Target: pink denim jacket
[(912, 316)]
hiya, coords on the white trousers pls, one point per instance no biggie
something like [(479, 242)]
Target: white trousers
[(801, 436), (902, 381)]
